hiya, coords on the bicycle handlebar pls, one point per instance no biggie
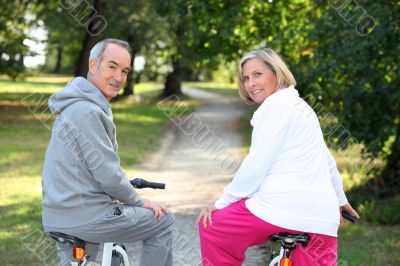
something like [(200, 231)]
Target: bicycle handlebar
[(349, 217), (141, 183)]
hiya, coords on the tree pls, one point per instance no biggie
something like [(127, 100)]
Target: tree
[(15, 19), (138, 24), (354, 68), (200, 32), (95, 24), (63, 46)]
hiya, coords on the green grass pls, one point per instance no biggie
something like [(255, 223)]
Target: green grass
[(20, 207), (370, 245), (25, 128)]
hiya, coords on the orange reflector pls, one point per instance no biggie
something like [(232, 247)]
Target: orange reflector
[(286, 262), (79, 253)]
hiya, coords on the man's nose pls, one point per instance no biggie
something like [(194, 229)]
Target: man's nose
[(118, 76)]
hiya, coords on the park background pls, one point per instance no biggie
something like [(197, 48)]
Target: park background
[(344, 55)]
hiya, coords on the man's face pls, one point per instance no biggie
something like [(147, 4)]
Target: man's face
[(112, 73)]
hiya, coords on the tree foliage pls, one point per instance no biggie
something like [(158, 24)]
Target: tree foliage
[(345, 54), (16, 17), (137, 23), (355, 70), (63, 45)]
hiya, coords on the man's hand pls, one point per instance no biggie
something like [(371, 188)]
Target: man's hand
[(206, 214), (347, 207), (157, 208)]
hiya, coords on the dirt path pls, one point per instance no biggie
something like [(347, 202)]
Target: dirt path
[(196, 167)]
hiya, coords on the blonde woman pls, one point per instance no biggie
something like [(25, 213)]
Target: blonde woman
[(288, 182)]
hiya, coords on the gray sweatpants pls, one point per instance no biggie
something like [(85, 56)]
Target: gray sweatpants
[(131, 225)]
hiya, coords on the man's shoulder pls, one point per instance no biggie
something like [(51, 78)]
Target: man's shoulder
[(84, 115), (84, 107)]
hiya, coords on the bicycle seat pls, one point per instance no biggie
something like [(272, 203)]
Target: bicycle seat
[(63, 238), (291, 239)]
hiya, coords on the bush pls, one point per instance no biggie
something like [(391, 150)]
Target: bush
[(386, 212)]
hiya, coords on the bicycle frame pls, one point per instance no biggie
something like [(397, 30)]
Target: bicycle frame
[(277, 259), (108, 251)]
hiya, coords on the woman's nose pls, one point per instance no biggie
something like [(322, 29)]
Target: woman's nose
[(251, 82)]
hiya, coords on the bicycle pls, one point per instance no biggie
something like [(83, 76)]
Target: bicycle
[(113, 253), (289, 242)]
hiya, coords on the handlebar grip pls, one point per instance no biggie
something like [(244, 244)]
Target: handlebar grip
[(349, 217), (155, 185), (141, 183)]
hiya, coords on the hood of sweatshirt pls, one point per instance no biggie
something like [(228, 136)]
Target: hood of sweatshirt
[(79, 89)]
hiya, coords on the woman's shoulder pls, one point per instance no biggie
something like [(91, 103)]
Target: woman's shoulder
[(281, 102)]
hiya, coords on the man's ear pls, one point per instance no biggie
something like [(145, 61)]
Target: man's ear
[(92, 66)]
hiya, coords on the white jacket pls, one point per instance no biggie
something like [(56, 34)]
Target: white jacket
[(289, 175)]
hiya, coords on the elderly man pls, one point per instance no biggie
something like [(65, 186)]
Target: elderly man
[(82, 176)]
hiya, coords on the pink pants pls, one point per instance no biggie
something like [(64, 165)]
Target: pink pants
[(234, 229)]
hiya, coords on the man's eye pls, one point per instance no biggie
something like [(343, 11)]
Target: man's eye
[(112, 67), (245, 79), (257, 74)]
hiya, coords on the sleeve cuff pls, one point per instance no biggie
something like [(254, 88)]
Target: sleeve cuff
[(342, 199)]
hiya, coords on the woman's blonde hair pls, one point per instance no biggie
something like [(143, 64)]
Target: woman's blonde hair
[(274, 62)]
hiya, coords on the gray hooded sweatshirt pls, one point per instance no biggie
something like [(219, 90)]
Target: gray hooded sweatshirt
[(82, 174)]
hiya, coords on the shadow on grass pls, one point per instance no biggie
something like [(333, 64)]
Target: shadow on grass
[(27, 107), (21, 216), (22, 238), (24, 98)]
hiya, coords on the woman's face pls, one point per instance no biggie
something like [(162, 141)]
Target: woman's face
[(259, 81)]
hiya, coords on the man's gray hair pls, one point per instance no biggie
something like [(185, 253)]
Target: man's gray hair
[(97, 51)]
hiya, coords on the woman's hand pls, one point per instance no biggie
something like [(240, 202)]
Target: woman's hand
[(347, 207), (157, 208), (206, 214)]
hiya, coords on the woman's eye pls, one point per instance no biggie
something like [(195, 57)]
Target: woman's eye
[(245, 79), (257, 74)]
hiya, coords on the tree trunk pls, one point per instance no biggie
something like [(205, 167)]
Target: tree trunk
[(173, 82), (129, 88), (57, 68), (21, 65), (89, 40), (133, 43)]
